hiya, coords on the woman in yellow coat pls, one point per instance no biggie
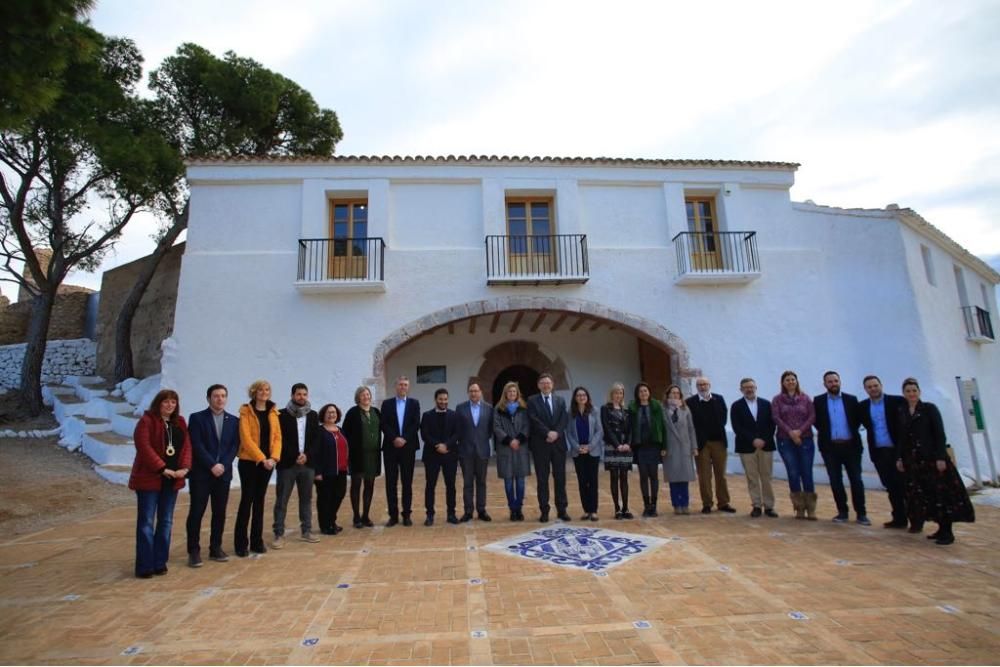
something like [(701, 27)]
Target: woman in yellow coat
[(260, 450)]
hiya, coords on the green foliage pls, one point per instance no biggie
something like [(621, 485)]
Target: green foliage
[(234, 106), (39, 40)]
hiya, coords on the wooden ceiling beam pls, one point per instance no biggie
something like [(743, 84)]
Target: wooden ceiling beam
[(579, 323), (517, 321), (558, 322), (538, 321), (494, 323)]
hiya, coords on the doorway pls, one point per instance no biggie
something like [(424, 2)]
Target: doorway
[(525, 377)]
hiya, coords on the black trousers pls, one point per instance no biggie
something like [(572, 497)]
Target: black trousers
[(330, 493), (433, 465), (399, 465), (204, 489), (253, 488), (838, 458), (550, 459), (892, 480), (474, 474), (649, 483), (587, 469)]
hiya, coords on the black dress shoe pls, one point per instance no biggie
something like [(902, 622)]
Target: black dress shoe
[(756, 512), (359, 524), (945, 539), (894, 524), (771, 513), (485, 516), (653, 512), (218, 556), (337, 529), (367, 523), (934, 535), (585, 517), (593, 517), (543, 517), (520, 515), (242, 553), (327, 531), (194, 560), (259, 549), (513, 515), (728, 508), (916, 528), (143, 575), (391, 522), (160, 571), (429, 521), (707, 509), (407, 521), (466, 517), (563, 516), (618, 516), (452, 519)]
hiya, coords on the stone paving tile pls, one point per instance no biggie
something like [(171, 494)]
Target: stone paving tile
[(719, 592)]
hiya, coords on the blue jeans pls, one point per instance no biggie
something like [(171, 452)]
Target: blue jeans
[(798, 463), (514, 488), (679, 494), (152, 545)]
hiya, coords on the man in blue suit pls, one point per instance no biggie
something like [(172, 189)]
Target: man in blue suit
[(400, 442), (215, 437), (475, 431)]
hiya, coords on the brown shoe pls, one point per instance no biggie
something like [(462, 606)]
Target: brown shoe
[(278, 543), (309, 537)]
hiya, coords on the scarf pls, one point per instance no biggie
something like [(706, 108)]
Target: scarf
[(296, 410), (512, 407)]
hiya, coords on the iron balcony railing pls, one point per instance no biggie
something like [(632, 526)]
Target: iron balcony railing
[(361, 259), (717, 252), (977, 322), (550, 258)]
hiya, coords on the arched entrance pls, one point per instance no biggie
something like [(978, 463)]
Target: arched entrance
[(525, 377)]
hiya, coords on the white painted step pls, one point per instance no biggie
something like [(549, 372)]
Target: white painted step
[(82, 380), (86, 424), (64, 405), (90, 393), (124, 424), (109, 406), (109, 448), (114, 473)]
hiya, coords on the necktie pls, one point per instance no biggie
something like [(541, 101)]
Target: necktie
[(548, 404)]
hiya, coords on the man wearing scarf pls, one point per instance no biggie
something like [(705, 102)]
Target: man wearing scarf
[(296, 468)]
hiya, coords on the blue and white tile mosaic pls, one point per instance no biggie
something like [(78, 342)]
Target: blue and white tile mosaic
[(593, 549)]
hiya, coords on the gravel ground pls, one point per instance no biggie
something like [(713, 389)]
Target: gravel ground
[(42, 484)]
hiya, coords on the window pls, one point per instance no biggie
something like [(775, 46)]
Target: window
[(349, 231), (703, 222), (925, 253), (432, 374), (530, 230), (963, 295), (985, 295)]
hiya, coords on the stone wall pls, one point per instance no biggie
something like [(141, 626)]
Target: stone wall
[(69, 317), (62, 358), (154, 321)]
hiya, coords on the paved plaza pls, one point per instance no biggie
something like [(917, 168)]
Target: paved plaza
[(720, 588)]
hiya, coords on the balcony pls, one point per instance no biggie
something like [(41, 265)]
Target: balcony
[(556, 259), (716, 258), (341, 265), (978, 327)]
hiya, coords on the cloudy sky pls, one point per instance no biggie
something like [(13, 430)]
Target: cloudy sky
[(882, 102)]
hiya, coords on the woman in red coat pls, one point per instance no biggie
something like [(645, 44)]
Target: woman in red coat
[(162, 460)]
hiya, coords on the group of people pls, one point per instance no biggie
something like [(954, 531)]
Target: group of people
[(316, 453)]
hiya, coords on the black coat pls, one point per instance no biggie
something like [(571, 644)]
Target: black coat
[(709, 418), (823, 419), (411, 424), (354, 431), (922, 434), (542, 422), (747, 429), (326, 462), (432, 436), (290, 438), (893, 404)]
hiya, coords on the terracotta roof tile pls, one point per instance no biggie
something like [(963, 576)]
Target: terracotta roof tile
[(491, 160)]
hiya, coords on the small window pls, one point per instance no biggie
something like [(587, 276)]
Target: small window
[(531, 234), (925, 252), (432, 374), (704, 227), (349, 234)]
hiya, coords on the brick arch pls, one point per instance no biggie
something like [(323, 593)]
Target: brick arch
[(502, 356), (642, 327)]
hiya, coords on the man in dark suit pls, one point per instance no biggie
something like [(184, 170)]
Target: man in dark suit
[(837, 423), (549, 418), (439, 431), (754, 429), (708, 411), (879, 415), (215, 438), (297, 465), (475, 432), (400, 442)]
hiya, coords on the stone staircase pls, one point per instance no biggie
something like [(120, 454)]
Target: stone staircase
[(100, 421)]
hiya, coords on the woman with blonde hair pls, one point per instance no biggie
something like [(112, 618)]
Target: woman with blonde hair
[(617, 429), (364, 442), (511, 428), (260, 450), (682, 448)]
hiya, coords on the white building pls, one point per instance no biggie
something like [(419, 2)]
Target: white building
[(355, 270)]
